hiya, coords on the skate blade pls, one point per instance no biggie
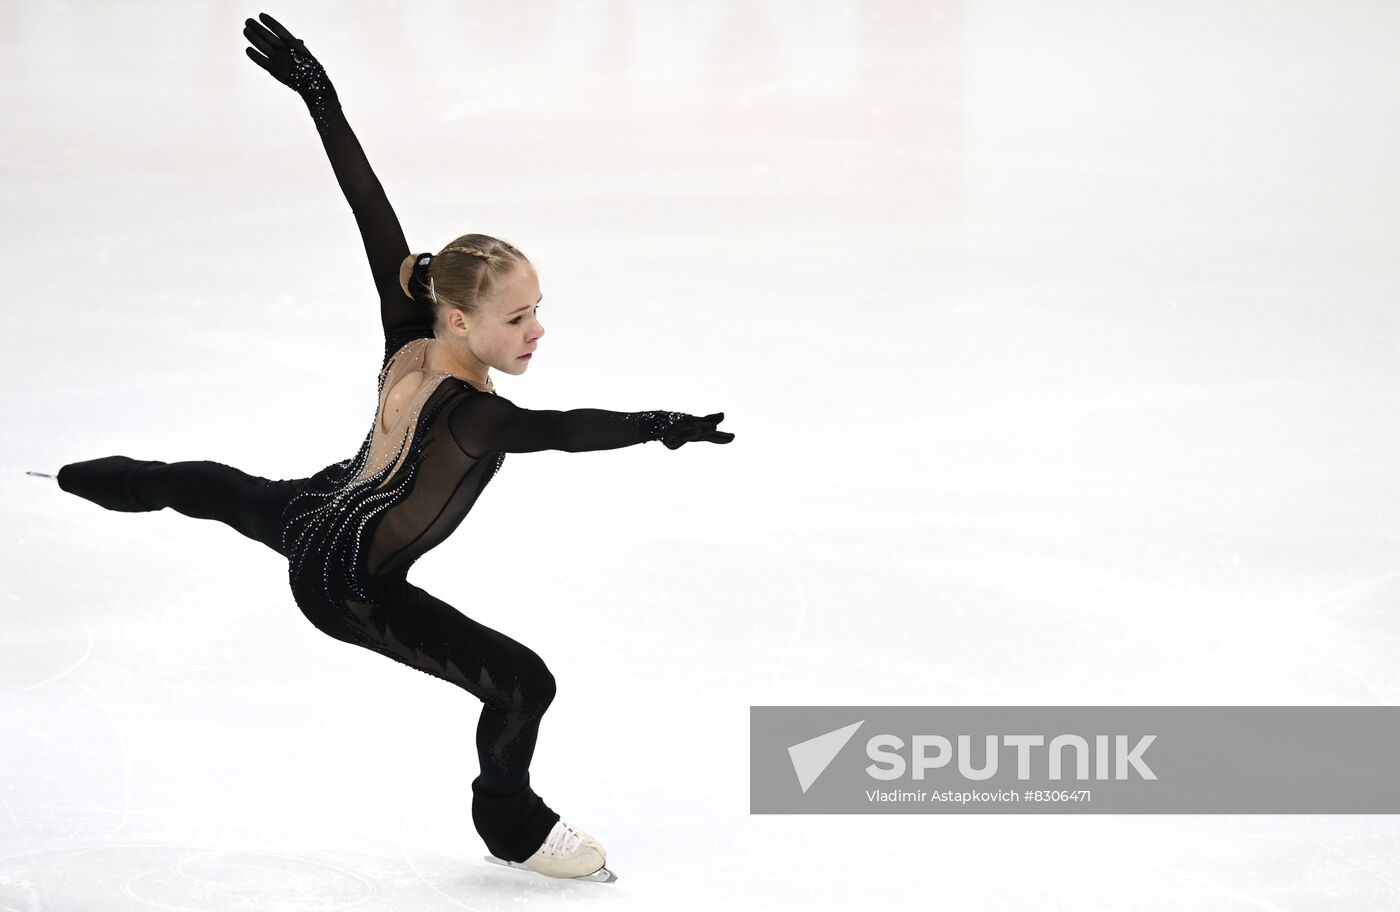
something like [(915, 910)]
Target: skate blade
[(602, 875)]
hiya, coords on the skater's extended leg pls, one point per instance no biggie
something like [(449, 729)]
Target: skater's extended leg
[(202, 489), (413, 627)]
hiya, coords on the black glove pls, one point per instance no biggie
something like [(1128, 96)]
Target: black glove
[(291, 64), (691, 429)]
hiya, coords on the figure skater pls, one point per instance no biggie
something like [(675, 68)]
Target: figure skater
[(351, 531)]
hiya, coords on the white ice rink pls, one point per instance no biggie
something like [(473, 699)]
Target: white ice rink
[(1061, 345)]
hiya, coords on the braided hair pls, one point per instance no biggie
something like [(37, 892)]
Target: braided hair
[(459, 275)]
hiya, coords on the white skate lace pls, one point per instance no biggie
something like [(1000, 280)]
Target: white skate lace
[(563, 839)]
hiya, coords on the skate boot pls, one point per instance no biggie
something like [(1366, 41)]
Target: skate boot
[(567, 852), (107, 482)]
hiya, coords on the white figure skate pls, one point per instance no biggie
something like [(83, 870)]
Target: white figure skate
[(567, 852)]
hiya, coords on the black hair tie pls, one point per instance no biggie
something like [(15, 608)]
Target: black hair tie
[(419, 284)]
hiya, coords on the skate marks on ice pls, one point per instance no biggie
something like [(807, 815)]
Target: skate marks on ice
[(317, 877), (1333, 865), (602, 875), (14, 663), (1357, 612), (168, 876), (37, 748)]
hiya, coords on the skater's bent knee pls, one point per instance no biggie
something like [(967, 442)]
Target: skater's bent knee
[(543, 690), (534, 681)]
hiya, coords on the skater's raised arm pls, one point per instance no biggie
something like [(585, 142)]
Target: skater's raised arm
[(287, 59), (484, 423)]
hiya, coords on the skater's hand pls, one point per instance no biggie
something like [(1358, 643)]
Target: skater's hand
[(287, 59), (692, 429)]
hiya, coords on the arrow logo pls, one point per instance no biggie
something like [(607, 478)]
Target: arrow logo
[(810, 758)]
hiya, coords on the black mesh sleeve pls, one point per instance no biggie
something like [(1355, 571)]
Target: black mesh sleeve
[(402, 317), (483, 423)]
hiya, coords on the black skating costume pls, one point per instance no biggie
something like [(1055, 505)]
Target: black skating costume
[(352, 531)]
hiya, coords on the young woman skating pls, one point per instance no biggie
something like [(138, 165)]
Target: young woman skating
[(351, 531)]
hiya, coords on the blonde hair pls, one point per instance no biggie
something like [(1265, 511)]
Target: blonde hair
[(462, 273)]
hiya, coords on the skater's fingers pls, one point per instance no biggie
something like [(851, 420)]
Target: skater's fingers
[(261, 38), (719, 437), (716, 418), (278, 29), (259, 59)]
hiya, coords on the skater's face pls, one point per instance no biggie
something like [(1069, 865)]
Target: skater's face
[(506, 329)]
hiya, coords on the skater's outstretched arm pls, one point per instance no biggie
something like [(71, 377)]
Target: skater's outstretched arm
[(286, 58), (484, 423)]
